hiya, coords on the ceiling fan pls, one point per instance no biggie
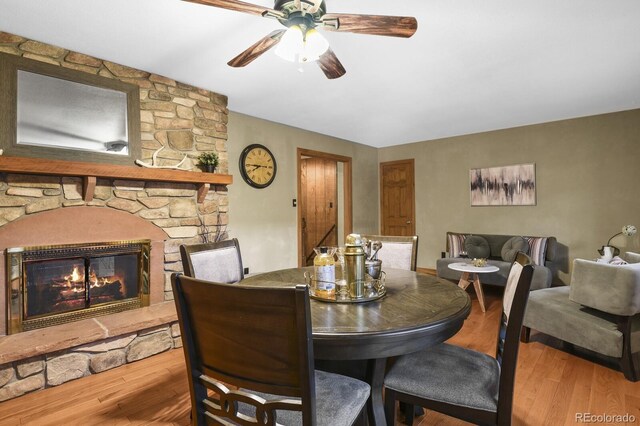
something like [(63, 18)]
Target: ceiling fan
[(301, 42)]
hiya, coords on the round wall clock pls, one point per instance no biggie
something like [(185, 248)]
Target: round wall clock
[(258, 166)]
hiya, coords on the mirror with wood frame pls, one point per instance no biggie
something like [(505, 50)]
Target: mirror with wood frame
[(48, 111)]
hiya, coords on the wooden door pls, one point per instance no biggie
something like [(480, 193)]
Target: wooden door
[(397, 198), (318, 204)]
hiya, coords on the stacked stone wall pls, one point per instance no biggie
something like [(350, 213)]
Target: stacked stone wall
[(172, 207), (32, 374), (183, 119)]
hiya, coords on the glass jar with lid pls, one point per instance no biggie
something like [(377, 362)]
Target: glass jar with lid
[(324, 272)]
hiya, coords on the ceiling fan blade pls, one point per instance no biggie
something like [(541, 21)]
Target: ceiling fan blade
[(330, 65), (257, 49), (393, 26), (236, 5)]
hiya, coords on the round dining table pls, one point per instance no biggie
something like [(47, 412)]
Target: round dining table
[(417, 311)]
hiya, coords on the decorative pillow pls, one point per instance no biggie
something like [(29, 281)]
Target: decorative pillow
[(537, 249), (511, 248), (477, 247), (455, 243)]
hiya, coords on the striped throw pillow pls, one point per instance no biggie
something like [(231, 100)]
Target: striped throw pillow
[(537, 249), (455, 243)]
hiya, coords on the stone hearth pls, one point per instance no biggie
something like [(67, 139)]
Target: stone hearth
[(49, 357)]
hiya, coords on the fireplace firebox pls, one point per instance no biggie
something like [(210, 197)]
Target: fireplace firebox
[(50, 285)]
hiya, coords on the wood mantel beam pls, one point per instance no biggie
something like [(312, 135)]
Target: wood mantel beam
[(91, 171)]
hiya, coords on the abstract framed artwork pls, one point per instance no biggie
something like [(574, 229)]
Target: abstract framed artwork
[(503, 186)]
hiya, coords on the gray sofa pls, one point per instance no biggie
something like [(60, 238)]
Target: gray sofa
[(542, 250)]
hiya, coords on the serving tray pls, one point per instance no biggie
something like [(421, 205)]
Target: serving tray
[(373, 295), (374, 289)]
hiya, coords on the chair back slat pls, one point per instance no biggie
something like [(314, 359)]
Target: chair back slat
[(514, 303), (220, 262), (254, 338), (226, 406)]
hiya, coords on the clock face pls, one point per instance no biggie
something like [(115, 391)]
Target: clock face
[(258, 166)]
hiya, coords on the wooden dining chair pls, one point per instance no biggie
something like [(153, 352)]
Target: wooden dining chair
[(252, 348), (397, 252), (461, 382), (219, 262)]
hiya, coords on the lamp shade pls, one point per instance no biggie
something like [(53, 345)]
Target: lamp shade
[(296, 46)]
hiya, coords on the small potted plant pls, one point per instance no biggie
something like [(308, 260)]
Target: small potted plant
[(208, 161)]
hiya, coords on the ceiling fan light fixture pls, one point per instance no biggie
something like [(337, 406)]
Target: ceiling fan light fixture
[(297, 45), (291, 44), (315, 44), (300, 43)]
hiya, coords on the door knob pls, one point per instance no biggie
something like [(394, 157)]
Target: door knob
[(408, 222)]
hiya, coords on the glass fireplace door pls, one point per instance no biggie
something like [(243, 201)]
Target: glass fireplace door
[(54, 286), (112, 278), (51, 285)]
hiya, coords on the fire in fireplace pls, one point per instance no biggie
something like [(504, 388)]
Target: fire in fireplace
[(56, 284)]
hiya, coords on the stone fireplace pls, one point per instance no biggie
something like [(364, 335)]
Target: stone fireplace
[(47, 204), (181, 119), (58, 273)]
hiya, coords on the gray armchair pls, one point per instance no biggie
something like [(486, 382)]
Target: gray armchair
[(599, 311)]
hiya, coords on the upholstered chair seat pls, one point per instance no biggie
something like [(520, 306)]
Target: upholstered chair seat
[(448, 373), (461, 382), (339, 400)]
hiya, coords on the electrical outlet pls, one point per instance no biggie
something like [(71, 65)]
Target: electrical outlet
[(295, 203), (246, 271)]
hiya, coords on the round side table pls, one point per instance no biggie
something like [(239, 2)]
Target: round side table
[(467, 269)]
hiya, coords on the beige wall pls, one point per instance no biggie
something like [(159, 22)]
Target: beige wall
[(587, 172), (264, 220)]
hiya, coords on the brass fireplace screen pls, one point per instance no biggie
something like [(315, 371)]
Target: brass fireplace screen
[(50, 285)]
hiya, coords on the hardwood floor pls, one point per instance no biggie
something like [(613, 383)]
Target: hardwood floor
[(151, 391), (551, 387)]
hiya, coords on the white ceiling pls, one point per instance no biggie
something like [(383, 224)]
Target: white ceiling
[(472, 66)]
